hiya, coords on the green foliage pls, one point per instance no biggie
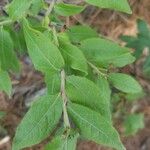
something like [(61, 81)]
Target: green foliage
[(133, 123), (70, 54), (146, 67), (134, 96), (2, 114), (79, 33), (77, 63), (47, 56), (138, 43), (36, 6), (124, 83), (5, 82), (121, 5), (63, 143), (17, 9), (142, 39), (63, 9), (105, 90), (39, 122), (8, 59), (83, 91), (94, 126), (52, 79), (105, 53)]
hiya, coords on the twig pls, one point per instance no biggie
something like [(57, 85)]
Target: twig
[(65, 99), (5, 22), (4, 140), (96, 69), (50, 8)]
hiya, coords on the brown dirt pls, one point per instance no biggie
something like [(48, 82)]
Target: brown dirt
[(110, 24)]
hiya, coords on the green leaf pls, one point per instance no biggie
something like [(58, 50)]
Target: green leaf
[(124, 83), (63, 143), (74, 57), (142, 39), (105, 90), (8, 58), (18, 8), (143, 28), (53, 82), (36, 6), (63, 9), (133, 123), (44, 54), (39, 122), (79, 33), (121, 5), (2, 114), (94, 126), (5, 82), (104, 52), (83, 91), (146, 67), (134, 96), (18, 39)]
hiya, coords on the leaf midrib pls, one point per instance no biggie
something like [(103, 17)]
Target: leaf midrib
[(52, 65), (37, 124)]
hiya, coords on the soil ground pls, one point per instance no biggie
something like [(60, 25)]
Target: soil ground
[(30, 84)]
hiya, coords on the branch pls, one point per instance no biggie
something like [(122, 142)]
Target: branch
[(50, 8), (96, 69), (5, 22), (65, 99)]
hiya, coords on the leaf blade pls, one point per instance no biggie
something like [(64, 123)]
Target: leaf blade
[(8, 59), (63, 143), (17, 9), (94, 127), (124, 83), (47, 57), (104, 52), (83, 91), (67, 9), (121, 5), (5, 82), (79, 33), (38, 122), (74, 57)]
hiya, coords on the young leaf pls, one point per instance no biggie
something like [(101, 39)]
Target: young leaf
[(18, 8), (53, 82), (44, 54), (124, 83), (8, 58), (5, 82), (63, 9), (104, 52), (94, 126), (74, 57), (39, 121), (121, 5), (79, 33), (83, 91), (133, 123), (63, 143)]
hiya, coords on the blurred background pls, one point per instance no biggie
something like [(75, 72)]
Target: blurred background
[(131, 113)]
